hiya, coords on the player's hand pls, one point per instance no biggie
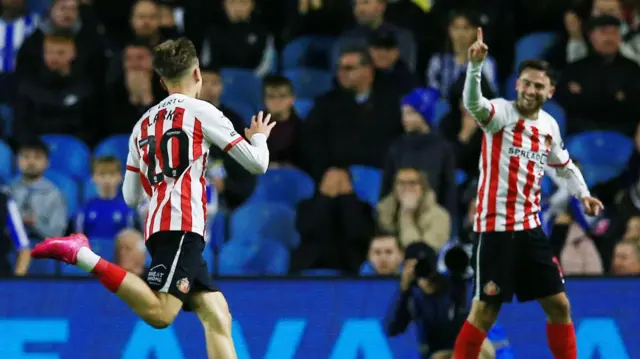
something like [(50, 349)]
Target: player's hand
[(592, 206), (259, 124), (478, 50), (408, 274)]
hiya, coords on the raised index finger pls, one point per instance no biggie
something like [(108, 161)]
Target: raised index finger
[(479, 36)]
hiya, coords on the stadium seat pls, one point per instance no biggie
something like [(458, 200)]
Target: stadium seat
[(309, 83), (283, 185), (366, 269), (366, 183), (265, 220), (303, 106), (308, 51), (254, 256), (510, 87), (44, 267), (603, 155), (209, 257), (69, 189), (442, 109), (218, 230), (243, 109), (533, 46), (68, 155), (6, 162), (547, 186), (6, 114), (39, 6), (321, 273), (241, 85), (555, 110), (117, 146), (104, 247)]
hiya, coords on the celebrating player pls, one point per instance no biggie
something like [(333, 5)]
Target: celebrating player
[(168, 152), (512, 255)]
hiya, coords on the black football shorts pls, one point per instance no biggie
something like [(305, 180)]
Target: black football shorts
[(177, 265), (518, 262)]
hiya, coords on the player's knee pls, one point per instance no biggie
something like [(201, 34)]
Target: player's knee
[(215, 315), (483, 314), (158, 318), (558, 309)]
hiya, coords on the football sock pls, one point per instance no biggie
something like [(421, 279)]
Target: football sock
[(469, 342), (109, 274), (562, 341)]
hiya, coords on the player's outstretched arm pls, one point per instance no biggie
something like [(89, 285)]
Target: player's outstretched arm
[(477, 105)]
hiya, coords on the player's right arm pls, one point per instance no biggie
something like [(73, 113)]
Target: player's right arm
[(218, 129), (483, 110)]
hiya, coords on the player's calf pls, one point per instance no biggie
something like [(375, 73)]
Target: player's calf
[(557, 308), (213, 311)]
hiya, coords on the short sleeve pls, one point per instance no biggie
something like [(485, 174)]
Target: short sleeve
[(217, 128), (558, 156), (133, 158), (498, 116)]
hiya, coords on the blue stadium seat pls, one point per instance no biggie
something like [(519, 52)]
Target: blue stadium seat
[(321, 273), (44, 267), (6, 114), (265, 220), (366, 269), (366, 183), (6, 162), (603, 155), (547, 186), (71, 270), (533, 46), (303, 106), (309, 83), (117, 146), (283, 185), (510, 87), (69, 155), (255, 256), (308, 51), (208, 256), (243, 109), (218, 229), (241, 85), (104, 247), (555, 110), (69, 189), (39, 6), (442, 109)]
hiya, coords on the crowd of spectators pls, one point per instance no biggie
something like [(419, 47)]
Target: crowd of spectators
[(83, 68)]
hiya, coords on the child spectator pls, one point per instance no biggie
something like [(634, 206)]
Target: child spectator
[(284, 140), (41, 204), (130, 253), (106, 215)]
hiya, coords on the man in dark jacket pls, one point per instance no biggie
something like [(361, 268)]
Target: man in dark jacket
[(355, 123), (423, 149), (335, 227), (385, 53), (59, 99), (601, 91)]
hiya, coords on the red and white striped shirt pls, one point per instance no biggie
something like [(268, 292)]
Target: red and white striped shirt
[(515, 153), (168, 152)]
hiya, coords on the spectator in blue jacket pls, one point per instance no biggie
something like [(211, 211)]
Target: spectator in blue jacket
[(436, 304), (13, 229), (107, 214), (384, 257)]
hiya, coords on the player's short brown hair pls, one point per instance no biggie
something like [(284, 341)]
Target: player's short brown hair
[(539, 65), (104, 161), (173, 58)]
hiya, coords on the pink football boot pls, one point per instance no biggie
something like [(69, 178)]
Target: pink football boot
[(61, 248)]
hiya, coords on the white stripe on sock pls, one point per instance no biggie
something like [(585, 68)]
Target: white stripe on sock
[(87, 260)]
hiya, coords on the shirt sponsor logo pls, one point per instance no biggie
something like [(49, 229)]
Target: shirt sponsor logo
[(540, 158)]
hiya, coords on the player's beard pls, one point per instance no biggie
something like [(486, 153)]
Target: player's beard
[(529, 106)]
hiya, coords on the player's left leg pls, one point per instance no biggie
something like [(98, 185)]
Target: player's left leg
[(540, 278), (213, 311)]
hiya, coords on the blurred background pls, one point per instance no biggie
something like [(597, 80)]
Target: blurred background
[(373, 153)]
